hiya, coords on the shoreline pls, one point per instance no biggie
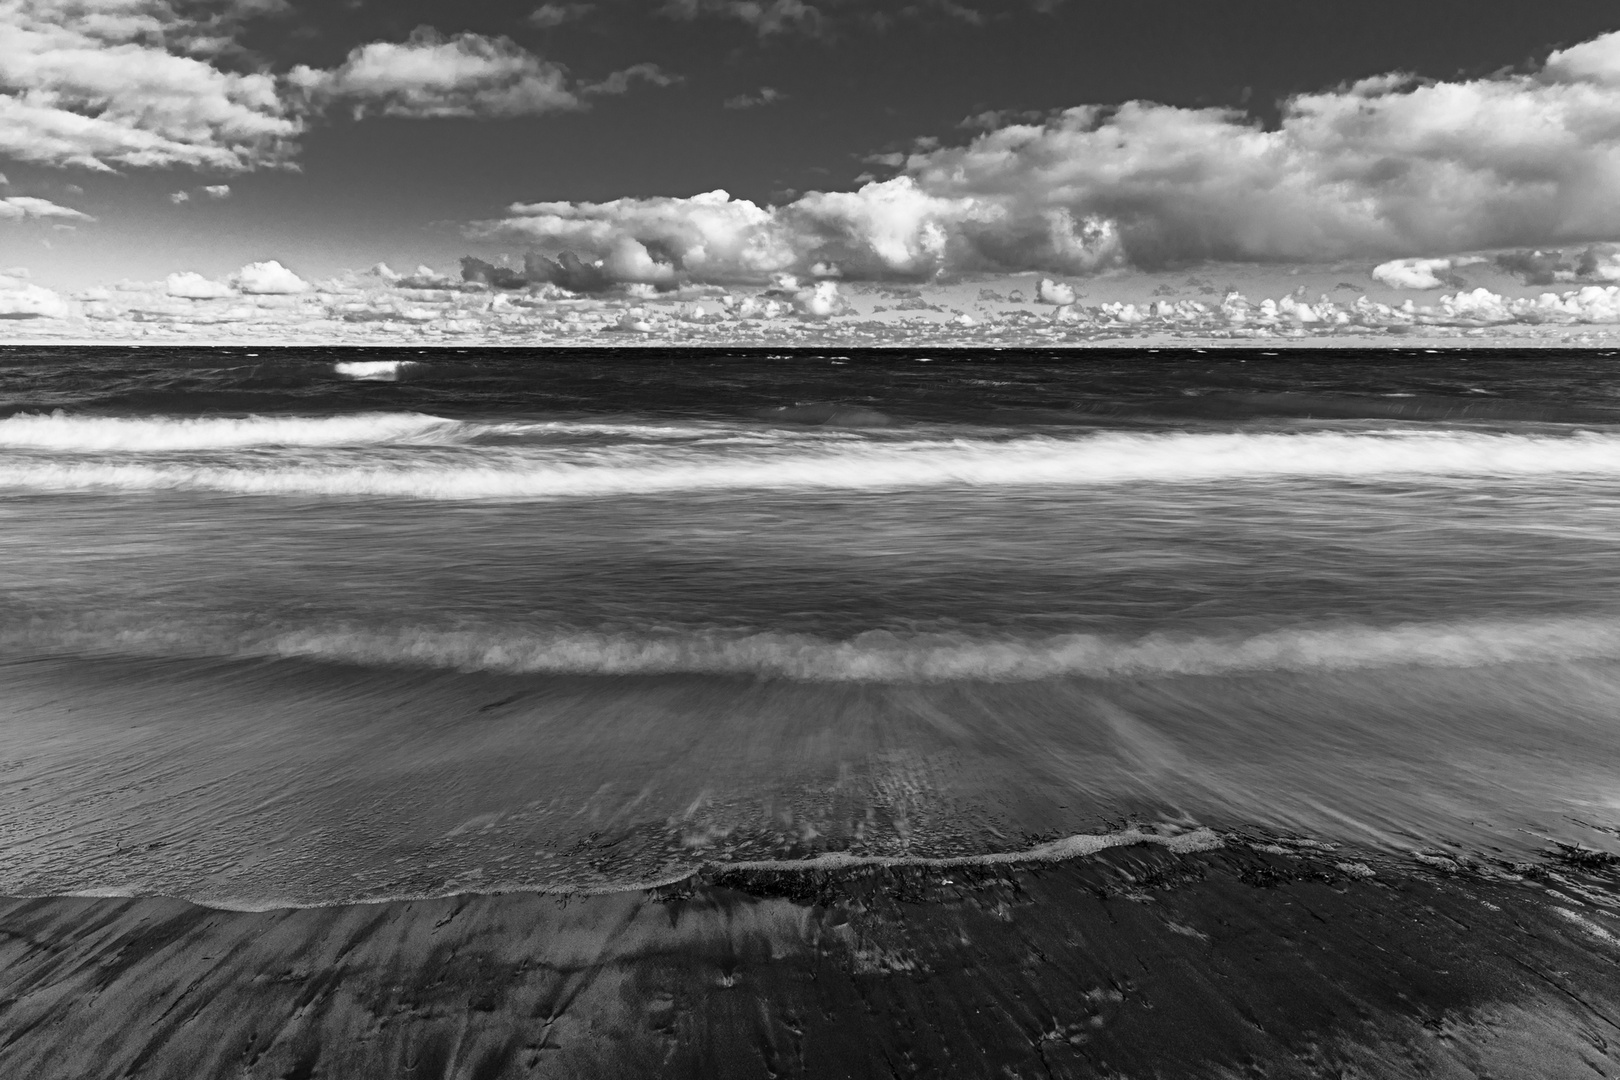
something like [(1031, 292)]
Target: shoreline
[(1134, 961)]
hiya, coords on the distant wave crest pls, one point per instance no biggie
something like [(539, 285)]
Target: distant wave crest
[(634, 465), (86, 434), (873, 657)]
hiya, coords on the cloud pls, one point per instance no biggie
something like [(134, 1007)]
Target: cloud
[(892, 229), (620, 82), (1389, 167), (23, 208), (1414, 273), (193, 286), (180, 198), (766, 96), (430, 75), (268, 279), (547, 16), (1054, 292), (130, 82), (21, 299), (218, 191), (766, 17)]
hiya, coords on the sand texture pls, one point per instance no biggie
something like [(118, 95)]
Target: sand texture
[(1138, 962)]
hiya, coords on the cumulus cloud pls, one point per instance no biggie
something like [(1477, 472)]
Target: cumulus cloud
[(1386, 168), (766, 96), (1054, 292), (193, 286), (23, 207), (547, 16), (21, 299), (218, 191), (431, 75), (893, 229), (132, 82), (268, 279), (1414, 273)]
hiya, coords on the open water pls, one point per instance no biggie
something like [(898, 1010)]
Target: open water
[(309, 626)]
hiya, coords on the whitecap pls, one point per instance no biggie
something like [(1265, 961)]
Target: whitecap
[(62, 431)]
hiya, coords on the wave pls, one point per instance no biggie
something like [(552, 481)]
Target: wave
[(89, 434), (875, 657), (852, 463), (372, 370), (65, 432)]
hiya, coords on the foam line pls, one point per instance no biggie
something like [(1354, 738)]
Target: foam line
[(858, 465), (64, 432), (869, 658), (1083, 845)]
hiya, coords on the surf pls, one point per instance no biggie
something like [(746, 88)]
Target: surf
[(872, 657), (637, 466)]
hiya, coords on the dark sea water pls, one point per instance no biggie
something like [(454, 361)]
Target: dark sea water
[(310, 626)]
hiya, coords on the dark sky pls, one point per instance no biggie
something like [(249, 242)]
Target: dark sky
[(862, 79)]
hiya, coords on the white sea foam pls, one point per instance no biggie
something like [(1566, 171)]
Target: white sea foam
[(375, 370), (1065, 849), (87, 434), (639, 468), (878, 657)]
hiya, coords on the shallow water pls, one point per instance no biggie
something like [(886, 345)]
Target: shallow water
[(277, 629)]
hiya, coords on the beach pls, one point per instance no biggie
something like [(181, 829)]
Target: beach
[(1136, 962)]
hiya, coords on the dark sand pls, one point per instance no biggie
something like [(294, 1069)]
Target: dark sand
[(1138, 962)]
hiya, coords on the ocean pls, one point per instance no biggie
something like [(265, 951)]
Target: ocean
[(305, 627)]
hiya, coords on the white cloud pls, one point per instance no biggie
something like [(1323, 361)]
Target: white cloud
[(1388, 167), (1414, 273), (430, 75), (218, 191), (268, 279), (620, 82), (766, 96), (892, 229), (821, 300), (1597, 60), (193, 286), (130, 82), (180, 198), (1054, 292), (21, 299), (547, 16), (767, 17), (23, 207)]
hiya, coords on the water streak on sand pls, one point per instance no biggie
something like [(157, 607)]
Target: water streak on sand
[(1055, 851)]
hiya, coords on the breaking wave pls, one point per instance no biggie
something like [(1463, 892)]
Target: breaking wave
[(88, 434), (850, 463), (876, 657)]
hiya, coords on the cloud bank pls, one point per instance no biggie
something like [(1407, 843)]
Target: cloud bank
[(1386, 168), (429, 75), (104, 84), (99, 83), (24, 208)]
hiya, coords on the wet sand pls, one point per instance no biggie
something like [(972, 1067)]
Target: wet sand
[(1252, 960)]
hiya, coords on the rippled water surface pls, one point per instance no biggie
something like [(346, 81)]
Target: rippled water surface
[(293, 625)]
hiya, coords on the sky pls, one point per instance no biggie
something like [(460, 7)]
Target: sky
[(673, 144)]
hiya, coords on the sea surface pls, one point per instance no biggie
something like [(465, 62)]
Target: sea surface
[(304, 626)]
